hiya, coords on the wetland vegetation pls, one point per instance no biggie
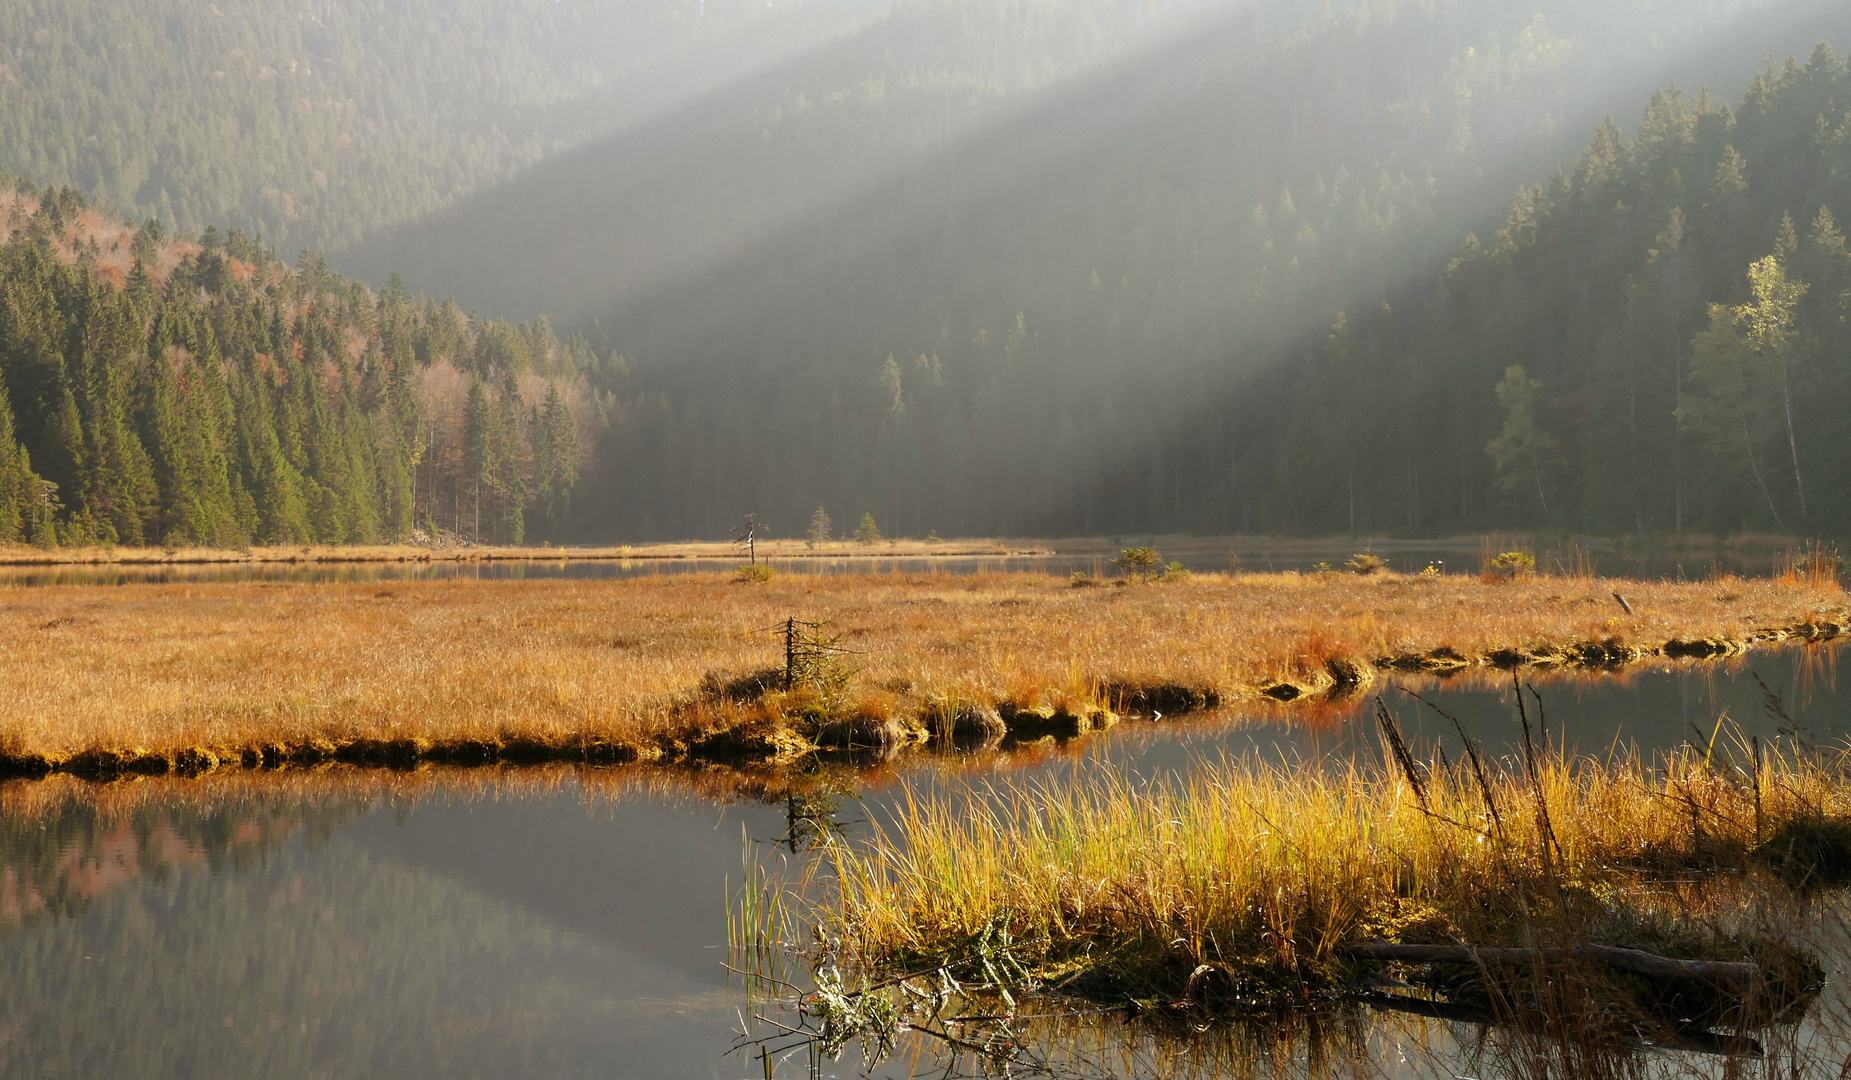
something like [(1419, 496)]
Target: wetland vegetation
[(105, 681), (1586, 914)]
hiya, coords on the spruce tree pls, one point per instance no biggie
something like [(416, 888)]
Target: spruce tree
[(510, 479), (820, 527), (20, 489), (556, 461), (1522, 448)]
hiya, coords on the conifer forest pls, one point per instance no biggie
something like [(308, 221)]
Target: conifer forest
[(161, 391)]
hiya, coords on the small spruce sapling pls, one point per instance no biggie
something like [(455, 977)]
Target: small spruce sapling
[(867, 532), (1514, 564), (1138, 563), (1363, 564), (820, 529), (756, 574)]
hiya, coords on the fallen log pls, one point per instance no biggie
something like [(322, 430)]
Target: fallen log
[(1672, 1037), (1721, 973)]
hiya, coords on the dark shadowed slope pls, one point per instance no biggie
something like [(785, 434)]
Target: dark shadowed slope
[(700, 186)]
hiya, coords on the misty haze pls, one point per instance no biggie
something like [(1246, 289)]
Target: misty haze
[(904, 538)]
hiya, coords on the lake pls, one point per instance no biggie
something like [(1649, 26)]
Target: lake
[(1200, 556)]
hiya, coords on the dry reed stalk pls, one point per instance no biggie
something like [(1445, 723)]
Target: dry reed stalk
[(142, 676)]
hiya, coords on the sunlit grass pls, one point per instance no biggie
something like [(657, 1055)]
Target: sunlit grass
[(1250, 879), (614, 668)]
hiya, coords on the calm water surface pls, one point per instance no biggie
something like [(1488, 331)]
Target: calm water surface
[(1406, 557), (576, 927)]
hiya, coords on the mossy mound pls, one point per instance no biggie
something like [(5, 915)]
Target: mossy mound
[(1348, 676), (1151, 698), (1809, 853), (964, 724), (758, 739), (1025, 722), (880, 735), (1702, 648)]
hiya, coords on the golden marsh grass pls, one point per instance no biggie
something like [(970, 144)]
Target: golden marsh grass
[(1254, 884), (148, 677)]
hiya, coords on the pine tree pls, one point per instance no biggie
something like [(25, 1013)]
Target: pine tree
[(510, 479), (556, 461), (20, 490), (1522, 448), (1740, 399), (820, 527), (479, 443), (1770, 331)]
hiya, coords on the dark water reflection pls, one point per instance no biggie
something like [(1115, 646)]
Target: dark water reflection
[(362, 925), (1650, 708), (523, 937)]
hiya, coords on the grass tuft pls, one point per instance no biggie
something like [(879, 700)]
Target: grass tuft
[(1247, 884)]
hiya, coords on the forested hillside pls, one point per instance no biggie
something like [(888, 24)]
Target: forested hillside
[(1085, 317), (158, 390), (663, 204), (1038, 266), (1654, 340), (313, 124)]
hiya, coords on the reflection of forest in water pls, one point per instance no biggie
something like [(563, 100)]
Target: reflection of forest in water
[(352, 924), (61, 856)]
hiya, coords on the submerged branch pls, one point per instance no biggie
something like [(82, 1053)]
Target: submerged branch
[(1741, 974)]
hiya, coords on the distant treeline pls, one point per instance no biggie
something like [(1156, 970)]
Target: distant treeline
[(164, 391), (1655, 340)]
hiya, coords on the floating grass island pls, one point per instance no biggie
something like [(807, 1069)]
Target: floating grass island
[(1252, 885), (105, 681)]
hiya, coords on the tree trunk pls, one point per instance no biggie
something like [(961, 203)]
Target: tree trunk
[(1793, 445), (1749, 444), (1677, 433)]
